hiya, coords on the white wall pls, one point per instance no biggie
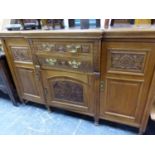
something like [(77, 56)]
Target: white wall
[(3, 23)]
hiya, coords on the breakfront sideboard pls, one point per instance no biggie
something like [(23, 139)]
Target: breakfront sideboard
[(107, 74)]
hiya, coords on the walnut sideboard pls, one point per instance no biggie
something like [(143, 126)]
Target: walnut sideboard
[(107, 74)]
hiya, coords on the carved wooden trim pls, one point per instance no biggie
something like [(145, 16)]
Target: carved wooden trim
[(127, 60), (21, 54)]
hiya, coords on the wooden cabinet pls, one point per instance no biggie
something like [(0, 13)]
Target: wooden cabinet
[(69, 71), (126, 71), (25, 75), (59, 71), (106, 74)]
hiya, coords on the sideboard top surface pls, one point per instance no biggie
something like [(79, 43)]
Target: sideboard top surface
[(127, 33)]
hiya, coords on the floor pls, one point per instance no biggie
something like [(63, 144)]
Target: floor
[(33, 119)]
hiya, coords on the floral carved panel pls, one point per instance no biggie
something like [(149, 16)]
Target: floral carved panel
[(127, 61), (68, 91), (21, 54)]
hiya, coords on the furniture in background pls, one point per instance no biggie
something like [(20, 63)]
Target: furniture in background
[(107, 74), (6, 82), (124, 23)]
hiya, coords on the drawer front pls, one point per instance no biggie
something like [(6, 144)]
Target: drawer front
[(63, 47), (70, 63), (76, 54)]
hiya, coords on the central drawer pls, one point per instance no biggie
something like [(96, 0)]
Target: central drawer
[(72, 54), (81, 63)]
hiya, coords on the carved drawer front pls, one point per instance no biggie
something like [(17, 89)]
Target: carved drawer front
[(69, 63), (68, 90), (127, 60), (21, 54), (63, 47)]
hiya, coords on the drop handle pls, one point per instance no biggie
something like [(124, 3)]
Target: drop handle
[(51, 61), (73, 49), (74, 64)]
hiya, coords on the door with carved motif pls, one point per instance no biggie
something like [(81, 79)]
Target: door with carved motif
[(125, 77), (72, 91), (25, 74)]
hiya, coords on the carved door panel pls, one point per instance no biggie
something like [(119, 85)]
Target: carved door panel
[(126, 74), (69, 90)]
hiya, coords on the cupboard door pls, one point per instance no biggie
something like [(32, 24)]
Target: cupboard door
[(25, 75), (126, 73), (30, 88), (69, 90)]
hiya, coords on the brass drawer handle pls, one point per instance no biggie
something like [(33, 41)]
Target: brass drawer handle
[(74, 64), (51, 61), (47, 47), (73, 49)]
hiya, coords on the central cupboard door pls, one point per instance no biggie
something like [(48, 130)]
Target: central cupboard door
[(72, 91)]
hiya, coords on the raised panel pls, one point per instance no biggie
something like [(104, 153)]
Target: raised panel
[(122, 100), (126, 60), (30, 89), (27, 80)]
